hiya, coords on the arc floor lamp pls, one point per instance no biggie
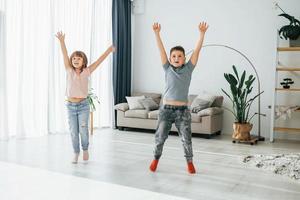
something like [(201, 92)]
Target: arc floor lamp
[(260, 138)]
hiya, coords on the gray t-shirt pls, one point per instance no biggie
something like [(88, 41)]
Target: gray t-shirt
[(177, 81)]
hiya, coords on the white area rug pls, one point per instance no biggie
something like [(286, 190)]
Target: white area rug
[(284, 164)]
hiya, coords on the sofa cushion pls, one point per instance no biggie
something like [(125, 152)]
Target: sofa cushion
[(134, 103), (137, 114), (155, 96), (210, 111), (148, 103), (153, 114), (195, 117)]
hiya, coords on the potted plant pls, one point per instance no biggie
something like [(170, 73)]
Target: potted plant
[(286, 83), (92, 97), (240, 89), (290, 31)]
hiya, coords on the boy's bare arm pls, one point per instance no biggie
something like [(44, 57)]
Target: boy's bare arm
[(61, 37), (94, 65), (203, 26), (156, 28)]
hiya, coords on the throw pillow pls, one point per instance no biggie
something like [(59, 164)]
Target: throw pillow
[(134, 103), (149, 103), (122, 106), (199, 104), (218, 102), (207, 97)]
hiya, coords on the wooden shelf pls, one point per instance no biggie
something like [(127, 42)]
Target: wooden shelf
[(288, 90), (291, 69), (281, 68), (285, 129), (288, 49)]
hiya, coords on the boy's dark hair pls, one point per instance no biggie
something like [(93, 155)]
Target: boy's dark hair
[(177, 48)]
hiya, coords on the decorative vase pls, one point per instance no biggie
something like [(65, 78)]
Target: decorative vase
[(241, 131), (286, 87)]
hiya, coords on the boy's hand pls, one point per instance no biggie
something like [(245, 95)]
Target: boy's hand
[(60, 35), (203, 26), (156, 27)]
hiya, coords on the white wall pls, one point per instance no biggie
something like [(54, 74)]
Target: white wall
[(249, 26)]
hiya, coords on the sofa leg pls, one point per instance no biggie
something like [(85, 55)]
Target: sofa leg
[(121, 128), (208, 136), (218, 133)]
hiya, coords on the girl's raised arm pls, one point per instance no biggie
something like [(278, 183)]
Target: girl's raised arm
[(94, 65), (61, 37)]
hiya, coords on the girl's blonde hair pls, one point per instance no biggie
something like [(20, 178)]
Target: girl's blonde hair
[(81, 55)]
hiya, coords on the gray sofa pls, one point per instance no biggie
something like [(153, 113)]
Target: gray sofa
[(207, 121)]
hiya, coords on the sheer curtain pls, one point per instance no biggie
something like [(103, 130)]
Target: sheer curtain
[(3, 91), (101, 38), (34, 71)]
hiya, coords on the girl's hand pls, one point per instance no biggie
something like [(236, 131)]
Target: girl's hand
[(60, 35), (156, 27), (203, 26), (112, 48)]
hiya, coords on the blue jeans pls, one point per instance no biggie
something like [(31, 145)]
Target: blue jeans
[(181, 116), (78, 117)]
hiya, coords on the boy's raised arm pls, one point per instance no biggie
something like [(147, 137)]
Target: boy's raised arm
[(61, 37), (156, 28), (203, 26)]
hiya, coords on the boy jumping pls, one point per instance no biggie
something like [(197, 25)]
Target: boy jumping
[(175, 99)]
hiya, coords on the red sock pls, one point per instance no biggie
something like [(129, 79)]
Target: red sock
[(191, 168), (153, 165)]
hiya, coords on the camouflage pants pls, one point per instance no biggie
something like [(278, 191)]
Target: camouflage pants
[(181, 116)]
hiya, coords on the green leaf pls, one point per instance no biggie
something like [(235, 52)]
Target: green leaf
[(242, 79), (227, 78), (250, 90), (243, 94), (289, 17), (289, 32), (226, 94), (235, 71), (250, 83), (232, 80), (233, 90), (91, 98)]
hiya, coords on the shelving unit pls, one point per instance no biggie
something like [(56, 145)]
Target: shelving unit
[(288, 90), (288, 49), (280, 68)]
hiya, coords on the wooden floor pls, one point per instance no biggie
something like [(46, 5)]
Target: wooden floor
[(123, 157)]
